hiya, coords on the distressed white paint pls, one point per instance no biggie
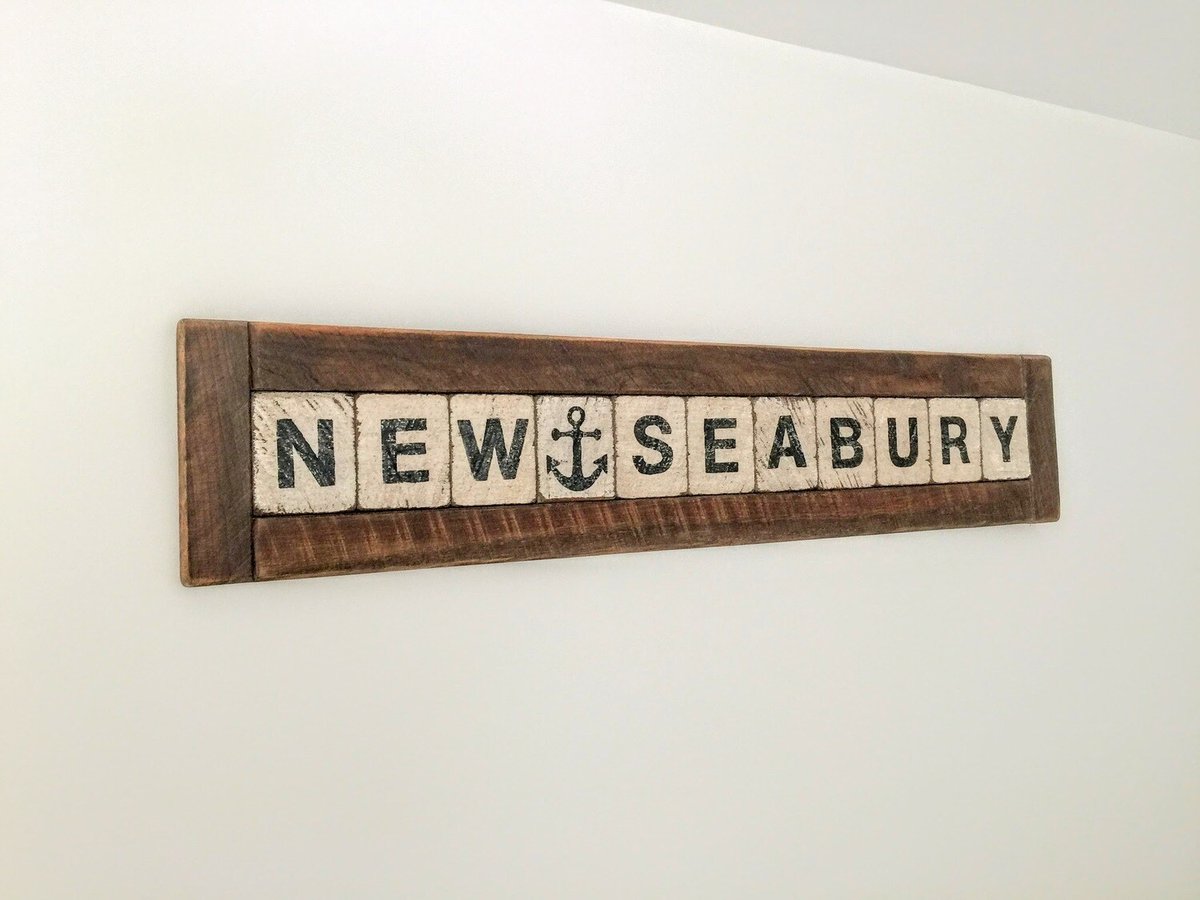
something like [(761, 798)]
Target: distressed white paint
[(650, 471), (507, 467), (845, 442), (792, 422), (403, 450), (951, 419), (310, 413), (720, 456), (558, 418), (1004, 416), (895, 417)]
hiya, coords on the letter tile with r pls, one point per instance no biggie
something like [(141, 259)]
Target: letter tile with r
[(954, 439)]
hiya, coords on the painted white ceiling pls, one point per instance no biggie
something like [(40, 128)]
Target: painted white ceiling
[(1137, 60)]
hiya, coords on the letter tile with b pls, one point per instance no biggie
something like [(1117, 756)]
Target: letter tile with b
[(845, 442)]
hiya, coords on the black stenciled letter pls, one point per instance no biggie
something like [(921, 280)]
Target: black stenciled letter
[(786, 443), (712, 444), (1005, 435), (959, 440), (480, 459), (903, 462), (652, 443), (387, 441), (320, 464), (838, 440)]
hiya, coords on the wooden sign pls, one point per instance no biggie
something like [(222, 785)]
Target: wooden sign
[(307, 450)]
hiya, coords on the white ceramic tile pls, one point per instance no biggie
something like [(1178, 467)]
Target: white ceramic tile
[(575, 448), (492, 455), (720, 435), (954, 439), (1004, 435), (901, 441), (651, 439), (303, 452), (785, 443), (845, 442), (403, 450)]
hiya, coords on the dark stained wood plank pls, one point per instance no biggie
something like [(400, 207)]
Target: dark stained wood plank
[(292, 546), (1043, 451), (221, 362), (323, 358), (213, 371)]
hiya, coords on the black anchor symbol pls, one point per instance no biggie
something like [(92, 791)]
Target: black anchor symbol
[(578, 481)]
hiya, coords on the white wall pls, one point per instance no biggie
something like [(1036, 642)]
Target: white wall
[(1002, 712), (1134, 60)]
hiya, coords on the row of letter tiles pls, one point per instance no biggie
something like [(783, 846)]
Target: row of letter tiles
[(322, 452)]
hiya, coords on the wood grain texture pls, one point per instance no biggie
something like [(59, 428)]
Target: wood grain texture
[(324, 358), (1043, 449), (220, 363), (213, 382), (298, 546)]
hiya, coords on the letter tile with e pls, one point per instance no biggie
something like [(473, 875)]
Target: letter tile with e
[(303, 452), (492, 455), (954, 440), (785, 443), (403, 450), (651, 446), (575, 448), (901, 441), (720, 437), (1004, 436), (845, 442)]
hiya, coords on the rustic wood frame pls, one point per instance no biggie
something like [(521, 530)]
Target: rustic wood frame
[(221, 363)]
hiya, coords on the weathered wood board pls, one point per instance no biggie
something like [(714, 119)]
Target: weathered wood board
[(312, 450)]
